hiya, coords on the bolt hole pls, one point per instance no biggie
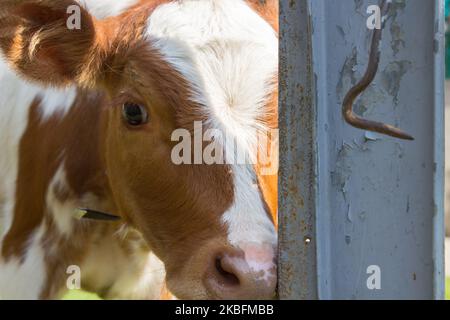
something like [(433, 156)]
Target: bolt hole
[(307, 240)]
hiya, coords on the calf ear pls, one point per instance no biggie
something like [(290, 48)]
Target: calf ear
[(49, 41)]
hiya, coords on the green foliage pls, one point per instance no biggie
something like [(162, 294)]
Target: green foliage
[(80, 295)]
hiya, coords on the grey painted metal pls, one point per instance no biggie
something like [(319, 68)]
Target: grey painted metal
[(438, 253), (297, 187), (365, 199)]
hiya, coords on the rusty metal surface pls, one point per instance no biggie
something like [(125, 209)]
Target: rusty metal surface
[(297, 184)]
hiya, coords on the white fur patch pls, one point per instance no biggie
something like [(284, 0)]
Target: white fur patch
[(106, 8), (229, 54), (25, 280), (247, 218), (16, 98), (56, 101), (139, 275), (62, 212)]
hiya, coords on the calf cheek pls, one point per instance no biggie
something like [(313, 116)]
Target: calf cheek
[(187, 274)]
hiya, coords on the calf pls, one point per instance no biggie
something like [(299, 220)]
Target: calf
[(88, 111)]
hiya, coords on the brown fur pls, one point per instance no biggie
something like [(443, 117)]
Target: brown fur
[(268, 9), (177, 208)]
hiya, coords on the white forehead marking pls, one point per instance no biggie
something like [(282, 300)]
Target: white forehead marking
[(106, 8), (230, 56), (228, 53), (247, 219)]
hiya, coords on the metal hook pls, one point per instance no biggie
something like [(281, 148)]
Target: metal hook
[(372, 68)]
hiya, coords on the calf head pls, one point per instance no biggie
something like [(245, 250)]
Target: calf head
[(208, 223)]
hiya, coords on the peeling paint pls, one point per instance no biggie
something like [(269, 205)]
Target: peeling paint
[(347, 74), (408, 204), (397, 34), (400, 152), (358, 6), (362, 216), (370, 99), (349, 215), (392, 75), (397, 5), (342, 172), (436, 46), (370, 136), (292, 4), (341, 31), (348, 239)]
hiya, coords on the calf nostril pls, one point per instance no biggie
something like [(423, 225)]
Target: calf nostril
[(231, 275), (226, 274)]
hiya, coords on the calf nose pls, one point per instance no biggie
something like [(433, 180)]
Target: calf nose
[(247, 272)]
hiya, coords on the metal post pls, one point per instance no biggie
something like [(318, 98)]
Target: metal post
[(297, 187)]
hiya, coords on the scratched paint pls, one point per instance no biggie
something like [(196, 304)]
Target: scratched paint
[(397, 34), (392, 76)]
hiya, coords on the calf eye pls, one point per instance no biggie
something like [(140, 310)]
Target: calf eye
[(135, 114)]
